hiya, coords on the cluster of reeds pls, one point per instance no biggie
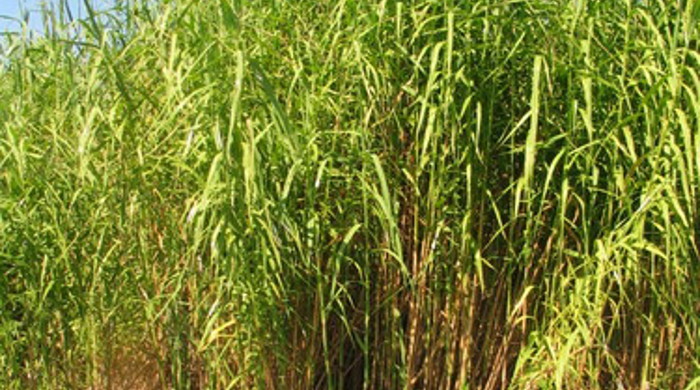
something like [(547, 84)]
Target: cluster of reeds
[(345, 194)]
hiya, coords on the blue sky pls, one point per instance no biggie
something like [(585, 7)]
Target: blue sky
[(12, 8)]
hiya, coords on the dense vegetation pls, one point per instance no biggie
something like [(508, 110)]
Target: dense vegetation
[(429, 194)]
